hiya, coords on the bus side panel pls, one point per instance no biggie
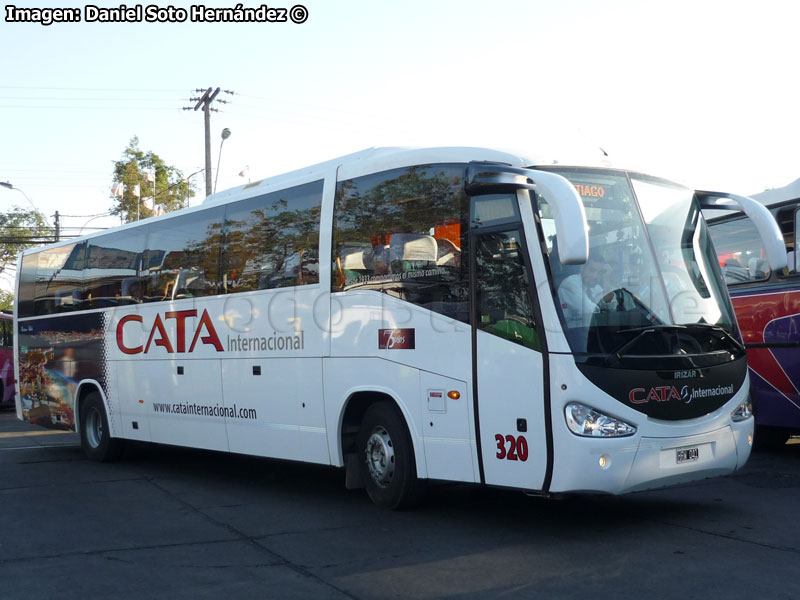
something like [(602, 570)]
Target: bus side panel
[(182, 400), (772, 318), (276, 408), (372, 324), (446, 428)]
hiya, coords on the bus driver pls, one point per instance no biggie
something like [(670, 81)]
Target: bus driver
[(589, 291)]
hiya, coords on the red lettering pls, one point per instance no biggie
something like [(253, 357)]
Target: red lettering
[(163, 340), (634, 396), (120, 343), (180, 319), (211, 338), (659, 394)]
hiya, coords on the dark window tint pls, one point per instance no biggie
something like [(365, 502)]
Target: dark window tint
[(739, 250), (59, 273), (273, 240), (26, 291), (402, 232), (504, 304), (181, 259), (113, 267)]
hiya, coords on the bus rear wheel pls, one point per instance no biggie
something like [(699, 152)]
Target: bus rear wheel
[(95, 434), (386, 456)]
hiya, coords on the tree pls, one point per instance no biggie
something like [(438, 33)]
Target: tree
[(6, 300), (20, 229), (134, 172)]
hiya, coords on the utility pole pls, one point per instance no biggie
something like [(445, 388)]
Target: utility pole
[(58, 226), (205, 101)]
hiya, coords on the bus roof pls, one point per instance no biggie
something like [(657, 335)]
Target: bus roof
[(778, 195)]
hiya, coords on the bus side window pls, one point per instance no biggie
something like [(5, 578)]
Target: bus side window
[(402, 232), (272, 240), (741, 256), (182, 256)]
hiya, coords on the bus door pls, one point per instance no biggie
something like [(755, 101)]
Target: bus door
[(508, 362)]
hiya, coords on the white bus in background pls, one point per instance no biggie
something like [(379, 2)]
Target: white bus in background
[(404, 314)]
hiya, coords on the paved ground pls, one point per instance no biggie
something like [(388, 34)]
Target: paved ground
[(172, 523)]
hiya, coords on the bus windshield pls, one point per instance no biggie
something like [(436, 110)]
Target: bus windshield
[(652, 284)]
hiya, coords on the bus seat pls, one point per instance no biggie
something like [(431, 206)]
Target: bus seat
[(448, 254), (412, 250), (758, 268), (354, 261)]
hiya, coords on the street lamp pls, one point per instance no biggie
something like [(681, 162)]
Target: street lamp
[(226, 133), (8, 185)]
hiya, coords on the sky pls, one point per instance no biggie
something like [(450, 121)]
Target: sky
[(704, 92)]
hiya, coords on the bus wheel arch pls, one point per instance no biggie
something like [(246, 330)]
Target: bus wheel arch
[(92, 424), (379, 450)]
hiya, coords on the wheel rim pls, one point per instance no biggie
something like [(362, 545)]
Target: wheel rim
[(380, 457), (94, 427)]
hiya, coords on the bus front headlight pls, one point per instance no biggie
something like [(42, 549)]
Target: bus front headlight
[(743, 412), (588, 422)]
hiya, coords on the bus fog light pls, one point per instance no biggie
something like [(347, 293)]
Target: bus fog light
[(587, 422), (605, 461), (743, 412)]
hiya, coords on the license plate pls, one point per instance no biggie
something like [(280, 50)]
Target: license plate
[(687, 454)]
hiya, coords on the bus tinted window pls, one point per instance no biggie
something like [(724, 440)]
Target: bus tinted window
[(181, 259), (59, 279), (26, 293), (113, 262), (740, 252), (273, 240), (403, 232)]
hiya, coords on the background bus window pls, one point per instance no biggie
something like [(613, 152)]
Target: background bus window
[(785, 216), (739, 250), (402, 233), (504, 305), (272, 240), (182, 256)]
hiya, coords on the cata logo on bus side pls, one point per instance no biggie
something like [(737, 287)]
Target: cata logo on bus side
[(159, 336)]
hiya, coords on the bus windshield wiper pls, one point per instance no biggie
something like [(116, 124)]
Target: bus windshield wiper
[(615, 356), (722, 330)]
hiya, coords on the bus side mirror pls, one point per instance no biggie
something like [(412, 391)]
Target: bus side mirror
[(765, 223), (568, 213)]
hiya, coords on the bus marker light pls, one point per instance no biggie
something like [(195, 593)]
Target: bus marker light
[(453, 395), (141, 401)]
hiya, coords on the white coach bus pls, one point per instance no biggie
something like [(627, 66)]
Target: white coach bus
[(454, 314)]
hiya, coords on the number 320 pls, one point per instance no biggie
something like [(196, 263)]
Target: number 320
[(517, 447)]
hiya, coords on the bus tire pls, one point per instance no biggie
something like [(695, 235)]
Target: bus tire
[(95, 433), (386, 455)]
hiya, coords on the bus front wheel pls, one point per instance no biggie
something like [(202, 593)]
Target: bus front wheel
[(96, 437), (386, 456)]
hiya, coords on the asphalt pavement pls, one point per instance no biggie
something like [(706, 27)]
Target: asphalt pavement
[(175, 523)]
